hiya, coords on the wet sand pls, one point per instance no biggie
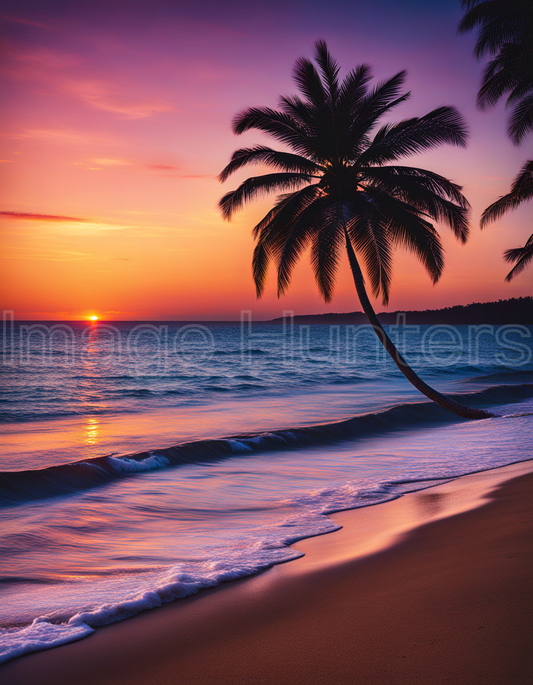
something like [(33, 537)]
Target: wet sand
[(434, 587)]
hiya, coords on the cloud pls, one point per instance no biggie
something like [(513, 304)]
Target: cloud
[(61, 71), (20, 20), (37, 62), (162, 167), (87, 225), (111, 162), (189, 175), (51, 135), (165, 168), (28, 216), (99, 95)]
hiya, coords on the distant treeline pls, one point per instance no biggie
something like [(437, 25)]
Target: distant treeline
[(517, 310)]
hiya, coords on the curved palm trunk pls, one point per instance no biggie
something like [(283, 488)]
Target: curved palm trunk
[(424, 388)]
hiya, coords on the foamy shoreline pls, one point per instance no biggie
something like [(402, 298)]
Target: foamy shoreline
[(365, 531)]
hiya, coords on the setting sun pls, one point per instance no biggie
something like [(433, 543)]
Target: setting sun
[(93, 318)]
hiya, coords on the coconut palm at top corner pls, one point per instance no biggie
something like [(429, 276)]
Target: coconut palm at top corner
[(341, 189), (505, 35)]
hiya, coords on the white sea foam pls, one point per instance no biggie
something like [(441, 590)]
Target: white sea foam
[(239, 446), (127, 465), (41, 634), (244, 557)]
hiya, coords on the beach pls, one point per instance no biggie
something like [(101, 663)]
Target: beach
[(433, 587), (136, 492)]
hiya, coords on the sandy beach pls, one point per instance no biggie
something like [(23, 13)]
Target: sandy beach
[(434, 587)]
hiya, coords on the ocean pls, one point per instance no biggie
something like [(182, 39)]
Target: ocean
[(142, 462)]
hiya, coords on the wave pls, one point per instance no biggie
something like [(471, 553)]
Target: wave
[(244, 353), (230, 562), (506, 374), (23, 486)]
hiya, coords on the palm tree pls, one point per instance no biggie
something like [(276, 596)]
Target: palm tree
[(506, 34), (341, 192), (521, 190)]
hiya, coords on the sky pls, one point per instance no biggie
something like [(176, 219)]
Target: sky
[(116, 120)]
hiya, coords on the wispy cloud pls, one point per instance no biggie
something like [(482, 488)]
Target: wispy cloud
[(162, 167), (102, 96), (188, 175), (60, 136), (164, 170), (36, 62), (174, 171), (81, 225), (20, 20), (111, 162), (61, 71), (30, 216)]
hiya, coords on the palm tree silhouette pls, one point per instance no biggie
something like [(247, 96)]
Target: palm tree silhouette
[(521, 190), (506, 34), (341, 192)]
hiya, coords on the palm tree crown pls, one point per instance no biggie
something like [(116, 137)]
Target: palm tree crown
[(506, 35), (340, 187)]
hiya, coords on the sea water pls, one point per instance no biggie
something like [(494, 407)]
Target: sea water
[(142, 462)]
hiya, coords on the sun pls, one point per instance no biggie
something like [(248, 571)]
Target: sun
[(93, 318)]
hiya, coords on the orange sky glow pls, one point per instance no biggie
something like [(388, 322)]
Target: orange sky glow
[(113, 133)]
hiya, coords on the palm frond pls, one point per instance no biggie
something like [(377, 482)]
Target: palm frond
[(260, 261), (505, 32), (286, 210), (329, 68), (495, 82), (260, 154), (353, 89), (521, 119), (382, 98), (521, 191), (424, 193), (306, 225), (274, 229), (522, 256), (302, 112), (268, 183), (499, 22), (396, 176), (411, 136), (370, 238), (280, 125), (309, 82), (523, 87), (326, 249), (315, 120), (409, 228)]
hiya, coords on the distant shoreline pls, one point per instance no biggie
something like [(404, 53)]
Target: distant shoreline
[(517, 310)]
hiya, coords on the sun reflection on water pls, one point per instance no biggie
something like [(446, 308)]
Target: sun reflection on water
[(92, 431)]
